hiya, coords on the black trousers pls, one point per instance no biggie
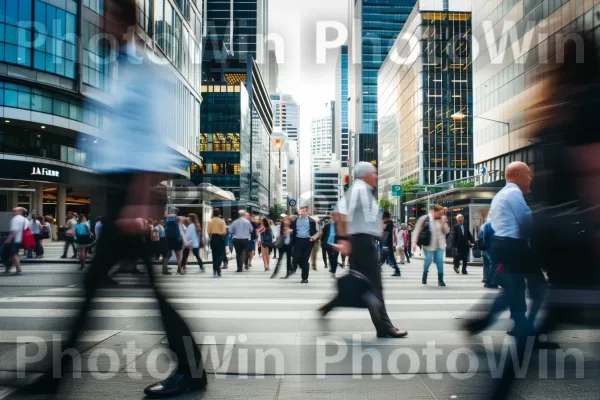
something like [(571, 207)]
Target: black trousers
[(302, 249), (114, 247), (364, 260), (186, 254), (324, 253), (217, 245), (333, 258), (287, 251), (69, 242), (461, 256), (241, 247)]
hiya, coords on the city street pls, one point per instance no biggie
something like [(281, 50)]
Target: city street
[(260, 338)]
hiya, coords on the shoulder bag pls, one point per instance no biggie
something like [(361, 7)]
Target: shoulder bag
[(424, 238)]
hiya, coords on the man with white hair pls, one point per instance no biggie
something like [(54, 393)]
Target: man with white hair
[(462, 241), (359, 228), (240, 230)]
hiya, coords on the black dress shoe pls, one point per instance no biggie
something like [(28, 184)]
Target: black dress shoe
[(465, 273), (167, 272), (397, 334), (397, 273), (175, 385), (304, 281), (456, 270)]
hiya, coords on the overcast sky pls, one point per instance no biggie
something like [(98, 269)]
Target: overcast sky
[(312, 85)]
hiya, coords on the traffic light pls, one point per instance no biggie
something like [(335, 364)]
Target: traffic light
[(346, 182)]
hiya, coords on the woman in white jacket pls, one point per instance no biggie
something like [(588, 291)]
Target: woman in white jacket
[(193, 237), (437, 224)]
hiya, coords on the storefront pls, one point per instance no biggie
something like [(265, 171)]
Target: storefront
[(49, 188)]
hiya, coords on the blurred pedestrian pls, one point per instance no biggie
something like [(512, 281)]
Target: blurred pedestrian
[(285, 249), (387, 243), (241, 231), (267, 240), (359, 229), (194, 242), (305, 233), (253, 239), (69, 234), (83, 239), (462, 241), (431, 231), (403, 244), (329, 238), (217, 231), (316, 246), (18, 225)]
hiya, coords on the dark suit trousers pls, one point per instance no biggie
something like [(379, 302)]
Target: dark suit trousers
[(302, 250), (241, 251), (217, 245), (114, 247), (461, 256)]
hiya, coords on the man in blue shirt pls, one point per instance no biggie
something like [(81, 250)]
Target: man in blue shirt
[(305, 233), (240, 231)]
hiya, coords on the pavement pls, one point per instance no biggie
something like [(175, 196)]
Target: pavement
[(261, 338)]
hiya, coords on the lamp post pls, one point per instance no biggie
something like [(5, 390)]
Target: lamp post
[(459, 116)]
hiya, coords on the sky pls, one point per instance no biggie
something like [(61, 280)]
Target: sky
[(311, 84)]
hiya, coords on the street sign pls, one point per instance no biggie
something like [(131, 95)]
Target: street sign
[(483, 170), (292, 203), (396, 190)]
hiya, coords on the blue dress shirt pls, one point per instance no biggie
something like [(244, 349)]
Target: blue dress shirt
[(510, 214), (303, 227)]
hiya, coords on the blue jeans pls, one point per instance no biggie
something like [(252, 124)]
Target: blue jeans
[(437, 256)]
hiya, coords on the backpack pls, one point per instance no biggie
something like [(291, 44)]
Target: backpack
[(424, 238), (267, 238), (172, 232)]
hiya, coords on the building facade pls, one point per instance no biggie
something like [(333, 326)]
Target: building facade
[(374, 26), (341, 108), (286, 118), (425, 99), (53, 81), (321, 136), (510, 81), (326, 190)]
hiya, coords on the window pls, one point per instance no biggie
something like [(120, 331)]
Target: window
[(45, 101), (55, 41), (143, 14), (94, 68), (95, 5), (15, 32)]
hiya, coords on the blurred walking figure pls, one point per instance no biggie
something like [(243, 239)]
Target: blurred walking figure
[(69, 233), (193, 237), (135, 155), (266, 240), (359, 229), (228, 244), (462, 241), (305, 233), (36, 229), (387, 243), (316, 246), (284, 242), (329, 238), (403, 244), (252, 243), (241, 231), (14, 242), (217, 231), (431, 231), (83, 239)]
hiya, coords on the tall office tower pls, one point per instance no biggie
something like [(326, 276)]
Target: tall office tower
[(424, 92), (374, 26), (322, 134), (237, 116), (341, 108), (242, 27), (53, 92), (509, 86)]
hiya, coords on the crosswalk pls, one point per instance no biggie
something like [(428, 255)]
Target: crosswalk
[(241, 314)]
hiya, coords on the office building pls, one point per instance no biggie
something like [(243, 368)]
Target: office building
[(374, 26), (286, 117), (326, 190), (237, 116), (425, 99), (273, 85), (508, 83), (341, 108), (52, 91), (322, 135)]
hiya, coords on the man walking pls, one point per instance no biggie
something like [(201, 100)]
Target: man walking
[(305, 233), (217, 231), (359, 229), (387, 243), (18, 224), (70, 234), (462, 241), (240, 231)]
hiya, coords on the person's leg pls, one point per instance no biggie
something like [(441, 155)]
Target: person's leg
[(401, 255), (343, 261), (196, 252), (325, 254), (486, 267), (287, 250), (465, 260), (16, 259), (306, 245), (407, 254), (333, 260), (536, 286), (182, 260), (426, 265), (439, 261)]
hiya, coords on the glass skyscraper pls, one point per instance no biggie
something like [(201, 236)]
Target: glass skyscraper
[(375, 24), (422, 90), (341, 108)]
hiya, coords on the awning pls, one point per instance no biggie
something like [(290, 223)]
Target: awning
[(457, 194), (182, 196)]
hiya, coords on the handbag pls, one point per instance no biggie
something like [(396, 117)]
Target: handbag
[(424, 238), (28, 241), (279, 242)]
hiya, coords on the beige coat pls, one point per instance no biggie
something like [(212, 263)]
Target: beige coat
[(439, 232)]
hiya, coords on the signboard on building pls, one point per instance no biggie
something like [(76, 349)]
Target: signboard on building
[(396, 190)]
